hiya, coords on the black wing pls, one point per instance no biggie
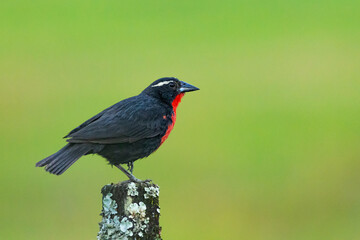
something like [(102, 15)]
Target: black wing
[(127, 121)]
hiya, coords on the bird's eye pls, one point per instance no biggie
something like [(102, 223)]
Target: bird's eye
[(172, 85)]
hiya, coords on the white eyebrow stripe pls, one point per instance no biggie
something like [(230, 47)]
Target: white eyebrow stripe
[(162, 83)]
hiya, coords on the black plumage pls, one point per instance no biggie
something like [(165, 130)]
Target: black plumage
[(129, 130)]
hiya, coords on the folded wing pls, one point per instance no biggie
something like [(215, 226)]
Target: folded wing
[(127, 121)]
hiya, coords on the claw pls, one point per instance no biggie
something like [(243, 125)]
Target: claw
[(140, 181)]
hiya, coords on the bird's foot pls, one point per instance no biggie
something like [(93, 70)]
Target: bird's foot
[(134, 179)]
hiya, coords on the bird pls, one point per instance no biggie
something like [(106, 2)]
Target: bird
[(129, 130)]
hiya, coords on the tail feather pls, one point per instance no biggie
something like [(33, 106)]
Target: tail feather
[(60, 161), (63, 162), (50, 158)]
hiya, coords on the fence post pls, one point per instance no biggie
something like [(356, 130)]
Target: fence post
[(130, 211)]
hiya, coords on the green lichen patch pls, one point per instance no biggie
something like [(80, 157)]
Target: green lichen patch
[(151, 192), (111, 227), (132, 189)]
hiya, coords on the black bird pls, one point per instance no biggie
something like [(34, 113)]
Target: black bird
[(129, 130)]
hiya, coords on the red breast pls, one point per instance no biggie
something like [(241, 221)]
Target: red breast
[(174, 104)]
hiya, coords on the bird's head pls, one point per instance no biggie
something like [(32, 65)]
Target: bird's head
[(167, 89)]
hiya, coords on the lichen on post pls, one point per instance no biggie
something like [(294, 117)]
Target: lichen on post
[(130, 211)]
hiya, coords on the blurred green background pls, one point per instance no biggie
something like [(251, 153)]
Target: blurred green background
[(268, 149)]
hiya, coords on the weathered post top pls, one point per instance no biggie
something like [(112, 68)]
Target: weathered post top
[(130, 211)]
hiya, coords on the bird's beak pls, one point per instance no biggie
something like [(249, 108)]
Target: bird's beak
[(185, 87)]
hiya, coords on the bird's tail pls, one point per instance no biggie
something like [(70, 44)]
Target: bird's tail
[(64, 158)]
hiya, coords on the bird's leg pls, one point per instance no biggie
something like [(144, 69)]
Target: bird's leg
[(129, 175), (130, 166)]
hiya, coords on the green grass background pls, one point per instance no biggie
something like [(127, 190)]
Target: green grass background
[(268, 149)]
